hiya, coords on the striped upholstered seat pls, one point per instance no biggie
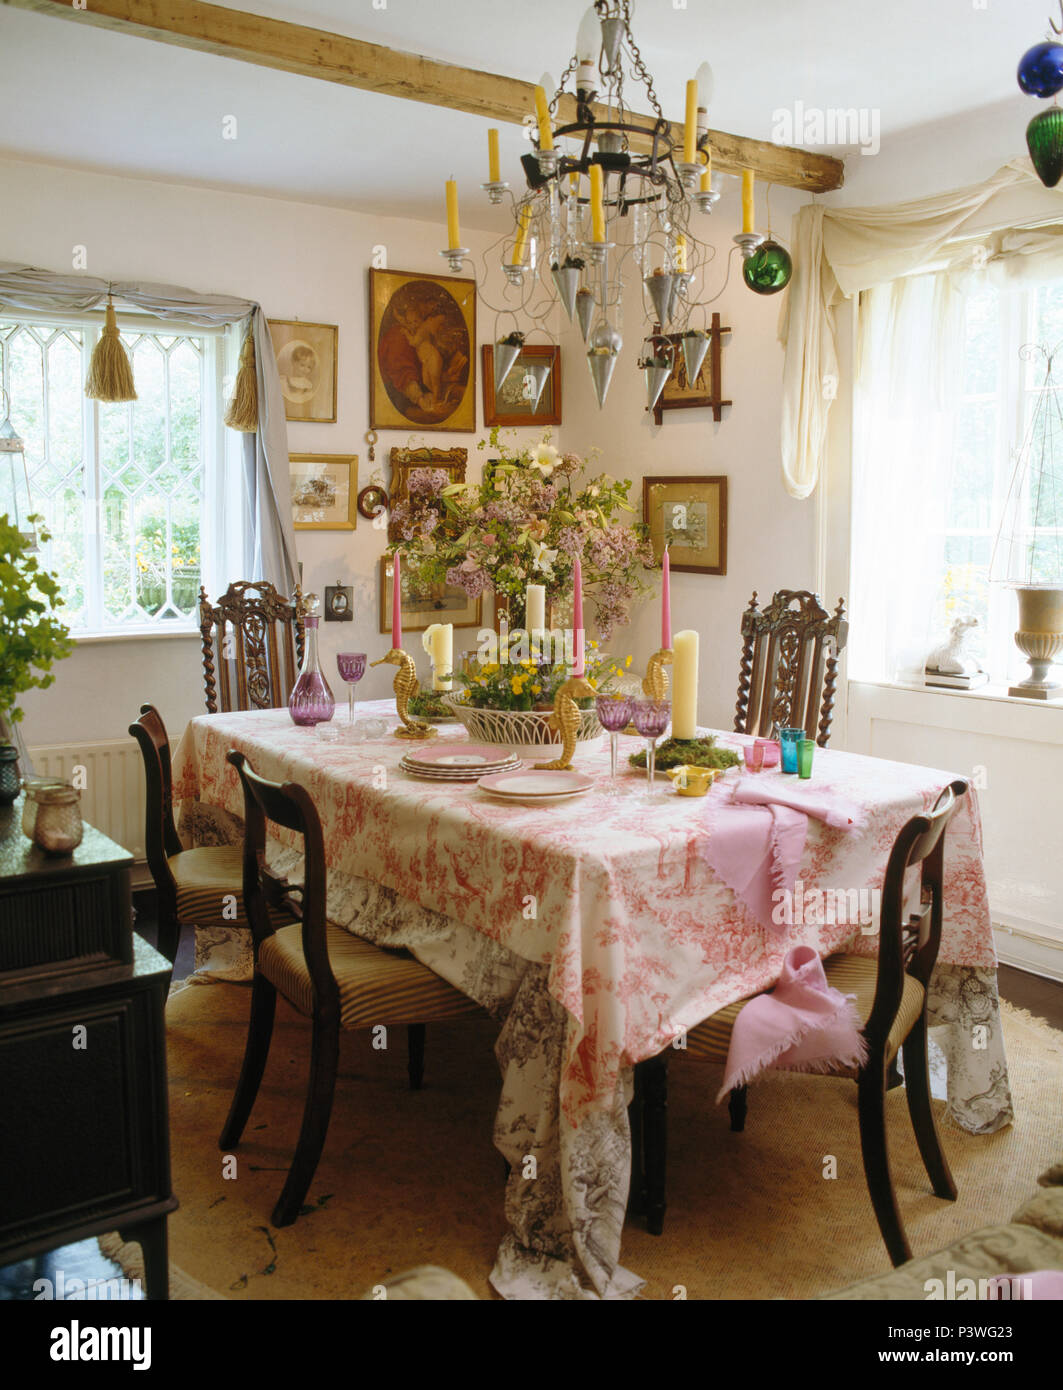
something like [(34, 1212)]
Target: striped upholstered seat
[(375, 985), (711, 1040), (210, 887)]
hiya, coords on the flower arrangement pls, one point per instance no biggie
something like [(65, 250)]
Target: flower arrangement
[(525, 523), (32, 635), (527, 684)]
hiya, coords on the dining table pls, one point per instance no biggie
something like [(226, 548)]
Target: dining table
[(596, 933)]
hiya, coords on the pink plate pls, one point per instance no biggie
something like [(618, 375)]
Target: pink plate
[(528, 784), (460, 755)]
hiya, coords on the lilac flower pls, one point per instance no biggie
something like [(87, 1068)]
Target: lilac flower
[(570, 540), (427, 482)]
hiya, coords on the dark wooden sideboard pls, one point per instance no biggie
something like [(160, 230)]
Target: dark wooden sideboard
[(84, 1130)]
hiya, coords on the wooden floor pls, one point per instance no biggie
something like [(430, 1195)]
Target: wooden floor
[(1040, 997)]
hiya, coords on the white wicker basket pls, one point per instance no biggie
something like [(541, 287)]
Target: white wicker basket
[(525, 731)]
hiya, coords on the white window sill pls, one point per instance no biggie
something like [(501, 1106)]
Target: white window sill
[(996, 691), (133, 634)]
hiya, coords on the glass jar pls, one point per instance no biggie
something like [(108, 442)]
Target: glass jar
[(51, 815)]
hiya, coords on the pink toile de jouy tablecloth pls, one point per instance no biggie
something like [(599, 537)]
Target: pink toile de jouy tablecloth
[(596, 932)]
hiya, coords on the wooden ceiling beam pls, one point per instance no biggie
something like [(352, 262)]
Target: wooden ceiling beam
[(371, 67)]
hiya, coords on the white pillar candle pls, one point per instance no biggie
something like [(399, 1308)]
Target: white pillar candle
[(685, 685), (535, 608), (442, 655)]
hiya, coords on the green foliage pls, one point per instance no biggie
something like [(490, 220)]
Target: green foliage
[(32, 638), (688, 752)]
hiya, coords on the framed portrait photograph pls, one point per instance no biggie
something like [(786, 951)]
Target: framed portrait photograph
[(427, 604), (510, 404), (706, 390), (306, 363), (422, 352), (689, 516), (324, 491)]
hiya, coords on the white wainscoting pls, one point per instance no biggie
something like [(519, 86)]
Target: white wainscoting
[(112, 798), (1013, 752)]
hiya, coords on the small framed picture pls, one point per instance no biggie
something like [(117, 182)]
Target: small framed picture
[(706, 391), (424, 605), (689, 516), (324, 491), (510, 404), (306, 363)]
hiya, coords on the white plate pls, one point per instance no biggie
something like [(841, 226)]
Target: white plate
[(454, 774), (533, 785)]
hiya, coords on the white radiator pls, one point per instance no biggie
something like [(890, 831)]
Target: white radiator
[(112, 796)]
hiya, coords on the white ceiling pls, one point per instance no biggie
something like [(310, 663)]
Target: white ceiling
[(73, 94)]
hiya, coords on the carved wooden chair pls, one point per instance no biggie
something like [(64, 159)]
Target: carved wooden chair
[(789, 665), (891, 995), (252, 646), (334, 978), (193, 887)]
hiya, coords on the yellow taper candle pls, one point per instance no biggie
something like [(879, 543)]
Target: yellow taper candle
[(493, 165), (522, 235), (542, 110), (747, 200), (690, 129), (681, 253), (453, 232), (685, 684), (597, 205), (706, 174)]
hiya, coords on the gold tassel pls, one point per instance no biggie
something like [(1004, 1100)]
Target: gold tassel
[(110, 371), (242, 413)]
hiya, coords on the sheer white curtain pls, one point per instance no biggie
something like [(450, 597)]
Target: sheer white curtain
[(908, 379)]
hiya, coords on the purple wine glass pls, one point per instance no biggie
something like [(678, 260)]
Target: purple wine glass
[(614, 715), (651, 718), (351, 666)]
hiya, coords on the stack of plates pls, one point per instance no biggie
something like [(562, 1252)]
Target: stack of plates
[(535, 786), (458, 762)]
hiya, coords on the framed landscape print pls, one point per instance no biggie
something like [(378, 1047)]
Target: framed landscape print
[(324, 491), (306, 364), (510, 405), (422, 360), (706, 391), (689, 516), (422, 606)]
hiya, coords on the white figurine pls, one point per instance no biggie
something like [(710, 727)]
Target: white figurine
[(950, 659)]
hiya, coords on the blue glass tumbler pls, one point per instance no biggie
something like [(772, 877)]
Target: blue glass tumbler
[(788, 740)]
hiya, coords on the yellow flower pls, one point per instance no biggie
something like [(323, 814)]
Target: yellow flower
[(490, 668), (592, 683), (593, 643), (537, 690), (627, 663)]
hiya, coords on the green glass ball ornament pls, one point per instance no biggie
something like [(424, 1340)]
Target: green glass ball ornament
[(769, 268), (1044, 139)]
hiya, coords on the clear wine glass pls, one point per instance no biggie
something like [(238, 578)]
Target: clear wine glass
[(351, 666), (614, 715), (651, 718)]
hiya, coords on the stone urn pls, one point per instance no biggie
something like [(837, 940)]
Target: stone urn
[(1040, 639)]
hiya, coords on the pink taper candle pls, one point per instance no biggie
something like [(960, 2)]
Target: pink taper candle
[(396, 606), (666, 603), (578, 668)]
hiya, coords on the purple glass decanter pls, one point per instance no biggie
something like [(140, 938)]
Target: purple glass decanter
[(311, 699)]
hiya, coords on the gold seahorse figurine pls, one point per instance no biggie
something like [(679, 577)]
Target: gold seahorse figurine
[(565, 719), (406, 686), (655, 682)]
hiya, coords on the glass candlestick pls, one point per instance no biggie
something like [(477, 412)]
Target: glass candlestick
[(351, 666), (651, 718), (614, 715)]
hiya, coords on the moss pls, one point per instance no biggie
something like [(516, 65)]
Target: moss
[(693, 752)]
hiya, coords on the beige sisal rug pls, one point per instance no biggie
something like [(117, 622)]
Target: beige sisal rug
[(412, 1178)]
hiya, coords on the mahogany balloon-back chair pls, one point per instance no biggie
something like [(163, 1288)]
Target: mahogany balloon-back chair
[(329, 975), (891, 998), (252, 646), (789, 667)]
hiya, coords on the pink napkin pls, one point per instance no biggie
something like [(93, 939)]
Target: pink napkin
[(756, 851), (1041, 1284), (814, 800), (802, 1025)]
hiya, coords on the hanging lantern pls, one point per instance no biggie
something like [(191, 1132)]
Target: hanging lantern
[(768, 269), (14, 477), (110, 375), (1044, 140), (1041, 70)]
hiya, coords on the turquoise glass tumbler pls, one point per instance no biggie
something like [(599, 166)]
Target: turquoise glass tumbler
[(788, 741), (805, 748)]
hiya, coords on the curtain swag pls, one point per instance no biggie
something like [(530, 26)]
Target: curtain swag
[(837, 253), (262, 415)]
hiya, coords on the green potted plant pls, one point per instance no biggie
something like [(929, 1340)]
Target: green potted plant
[(32, 637)]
